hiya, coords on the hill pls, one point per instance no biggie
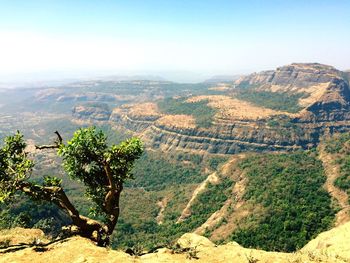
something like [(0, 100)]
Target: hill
[(284, 109)]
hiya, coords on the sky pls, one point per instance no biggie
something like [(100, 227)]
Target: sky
[(200, 37)]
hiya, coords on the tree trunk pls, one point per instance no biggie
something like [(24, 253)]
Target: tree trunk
[(86, 227)]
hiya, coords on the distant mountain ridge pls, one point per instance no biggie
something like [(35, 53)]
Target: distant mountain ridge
[(317, 96), (284, 109), (222, 78)]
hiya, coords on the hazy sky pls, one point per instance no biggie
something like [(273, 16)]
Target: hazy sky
[(208, 36)]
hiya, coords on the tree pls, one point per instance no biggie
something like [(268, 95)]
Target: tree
[(86, 158)]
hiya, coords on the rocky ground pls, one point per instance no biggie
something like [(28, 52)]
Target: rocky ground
[(28, 245)]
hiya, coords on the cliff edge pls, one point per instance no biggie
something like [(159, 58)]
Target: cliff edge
[(330, 246)]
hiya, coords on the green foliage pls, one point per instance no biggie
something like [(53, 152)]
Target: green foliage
[(246, 85), (15, 166), (156, 172), (216, 161), (52, 181), (290, 188), (199, 110), (150, 234), (23, 212), (172, 176), (85, 157), (208, 202), (343, 181), (283, 101), (336, 143)]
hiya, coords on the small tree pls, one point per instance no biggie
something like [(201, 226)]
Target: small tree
[(86, 158)]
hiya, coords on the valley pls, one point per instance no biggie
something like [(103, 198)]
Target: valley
[(243, 160)]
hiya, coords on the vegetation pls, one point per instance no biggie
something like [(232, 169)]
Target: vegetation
[(156, 172), (174, 175), (339, 145), (208, 202), (150, 234), (87, 158), (290, 188), (199, 110), (33, 214), (287, 187), (139, 213), (285, 125), (283, 101)]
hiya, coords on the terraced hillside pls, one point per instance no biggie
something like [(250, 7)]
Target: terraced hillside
[(284, 109)]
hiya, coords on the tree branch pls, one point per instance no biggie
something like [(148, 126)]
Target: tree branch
[(56, 145), (59, 137)]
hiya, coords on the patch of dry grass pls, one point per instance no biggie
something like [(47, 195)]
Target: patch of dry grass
[(178, 121), (235, 109)]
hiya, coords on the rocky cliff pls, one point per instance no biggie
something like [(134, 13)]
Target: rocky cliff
[(291, 77), (323, 100)]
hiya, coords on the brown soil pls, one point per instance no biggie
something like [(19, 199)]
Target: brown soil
[(162, 205)]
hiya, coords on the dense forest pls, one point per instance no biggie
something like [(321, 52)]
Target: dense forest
[(290, 188)]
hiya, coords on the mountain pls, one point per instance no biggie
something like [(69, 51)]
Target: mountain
[(284, 109), (325, 91)]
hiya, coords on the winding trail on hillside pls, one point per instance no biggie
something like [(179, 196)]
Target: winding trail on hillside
[(332, 173), (162, 205), (212, 178), (237, 192), (235, 202)]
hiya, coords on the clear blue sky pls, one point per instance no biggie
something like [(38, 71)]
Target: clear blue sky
[(209, 36)]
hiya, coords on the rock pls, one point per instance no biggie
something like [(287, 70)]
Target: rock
[(334, 242), (295, 75), (191, 240), (332, 246), (21, 235)]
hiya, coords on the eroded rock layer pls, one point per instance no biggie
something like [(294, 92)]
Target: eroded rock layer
[(240, 125)]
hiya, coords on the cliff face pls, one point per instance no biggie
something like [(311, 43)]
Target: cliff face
[(326, 90), (302, 75), (91, 112), (333, 105), (238, 125)]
